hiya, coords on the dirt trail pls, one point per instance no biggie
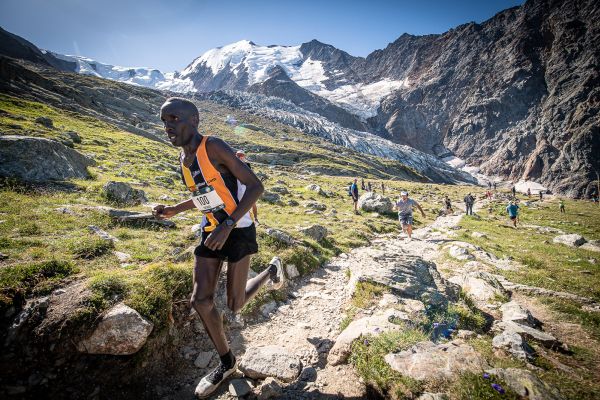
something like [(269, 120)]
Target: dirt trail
[(309, 322)]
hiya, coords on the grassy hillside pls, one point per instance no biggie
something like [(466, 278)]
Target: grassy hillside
[(45, 233)]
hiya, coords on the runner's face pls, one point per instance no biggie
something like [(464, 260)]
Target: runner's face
[(180, 125), (404, 197)]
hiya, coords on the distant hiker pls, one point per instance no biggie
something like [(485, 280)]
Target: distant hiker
[(369, 186), (494, 185), (242, 156), (469, 201), (541, 195), (513, 212), (489, 185), (514, 191), (561, 205), (448, 205), (488, 194), (529, 192), (404, 205), (224, 189), (354, 194), (362, 184), (382, 189)]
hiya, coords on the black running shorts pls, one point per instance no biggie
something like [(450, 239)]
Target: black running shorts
[(240, 243)]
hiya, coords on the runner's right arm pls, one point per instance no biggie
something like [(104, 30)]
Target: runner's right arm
[(161, 211)]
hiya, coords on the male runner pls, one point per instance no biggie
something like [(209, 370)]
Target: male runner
[(224, 189), (354, 194), (513, 212), (404, 205)]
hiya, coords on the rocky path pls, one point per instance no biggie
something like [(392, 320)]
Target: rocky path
[(307, 325)]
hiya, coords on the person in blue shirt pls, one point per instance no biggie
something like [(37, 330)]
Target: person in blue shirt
[(354, 194), (513, 212)]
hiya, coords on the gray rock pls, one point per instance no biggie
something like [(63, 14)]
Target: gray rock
[(239, 387), (308, 374), (102, 234), (514, 344), (268, 308), (122, 257), (433, 396), (429, 361), (203, 359), (74, 136), (316, 188), (316, 232), (465, 334), (375, 202), (293, 203), (270, 361), (123, 194), (271, 197), (269, 389), (571, 240), (593, 245), (528, 333), (479, 235), (280, 236), (41, 160), (137, 218), (373, 325), (526, 384), (315, 205), (513, 311), (280, 190), (45, 121), (291, 271), (121, 331), (197, 230), (460, 253), (481, 286)]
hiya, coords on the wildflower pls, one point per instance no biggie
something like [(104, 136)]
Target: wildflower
[(486, 375), (498, 388)]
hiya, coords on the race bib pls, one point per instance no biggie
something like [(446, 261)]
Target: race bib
[(207, 200)]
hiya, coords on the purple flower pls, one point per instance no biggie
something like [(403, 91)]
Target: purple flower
[(498, 388), (486, 375), (366, 342), (435, 324)]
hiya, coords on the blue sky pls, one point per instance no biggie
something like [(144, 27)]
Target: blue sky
[(168, 35)]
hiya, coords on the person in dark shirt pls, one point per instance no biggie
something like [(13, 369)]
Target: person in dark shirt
[(354, 194)]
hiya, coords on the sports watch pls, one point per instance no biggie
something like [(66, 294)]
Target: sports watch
[(229, 222)]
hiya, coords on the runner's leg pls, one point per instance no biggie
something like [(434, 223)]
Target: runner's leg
[(206, 276), (240, 289)]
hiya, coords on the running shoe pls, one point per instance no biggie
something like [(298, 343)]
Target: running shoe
[(277, 277), (211, 382)]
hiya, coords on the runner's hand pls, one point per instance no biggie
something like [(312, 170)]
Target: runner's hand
[(162, 212), (217, 238)]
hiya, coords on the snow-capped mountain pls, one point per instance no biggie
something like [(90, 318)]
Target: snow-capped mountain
[(286, 112)]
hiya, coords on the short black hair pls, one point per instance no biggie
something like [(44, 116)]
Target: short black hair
[(187, 104)]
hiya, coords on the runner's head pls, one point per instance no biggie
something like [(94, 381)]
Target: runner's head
[(355, 180), (404, 195), (180, 118)]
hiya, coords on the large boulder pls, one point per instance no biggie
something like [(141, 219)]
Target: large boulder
[(374, 325), (39, 160), (514, 344), (528, 333), (571, 240), (429, 361), (123, 194), (316, 188), (270, 361), (526, 384), (316, 232), (513, 311), (121, 331), (592, 245), (375, 202), (481, 286)]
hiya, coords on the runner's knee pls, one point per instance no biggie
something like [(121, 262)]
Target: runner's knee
[(202, 303)]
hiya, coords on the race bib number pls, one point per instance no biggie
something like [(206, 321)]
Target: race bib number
[(208, 200)]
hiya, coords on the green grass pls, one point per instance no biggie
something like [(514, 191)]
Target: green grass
[(547, 265), (368, 358), (368, 293), (470, 385), (573, 312)]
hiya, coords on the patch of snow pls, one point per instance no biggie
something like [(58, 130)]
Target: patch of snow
[(535, 187)]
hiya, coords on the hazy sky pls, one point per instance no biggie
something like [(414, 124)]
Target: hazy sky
[(168, 35)]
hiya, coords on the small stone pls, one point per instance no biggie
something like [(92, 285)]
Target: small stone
[(465, 334), (203, 359), (122, 257), (239, 387), (269, 389), (291, 271), (268, 308)]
